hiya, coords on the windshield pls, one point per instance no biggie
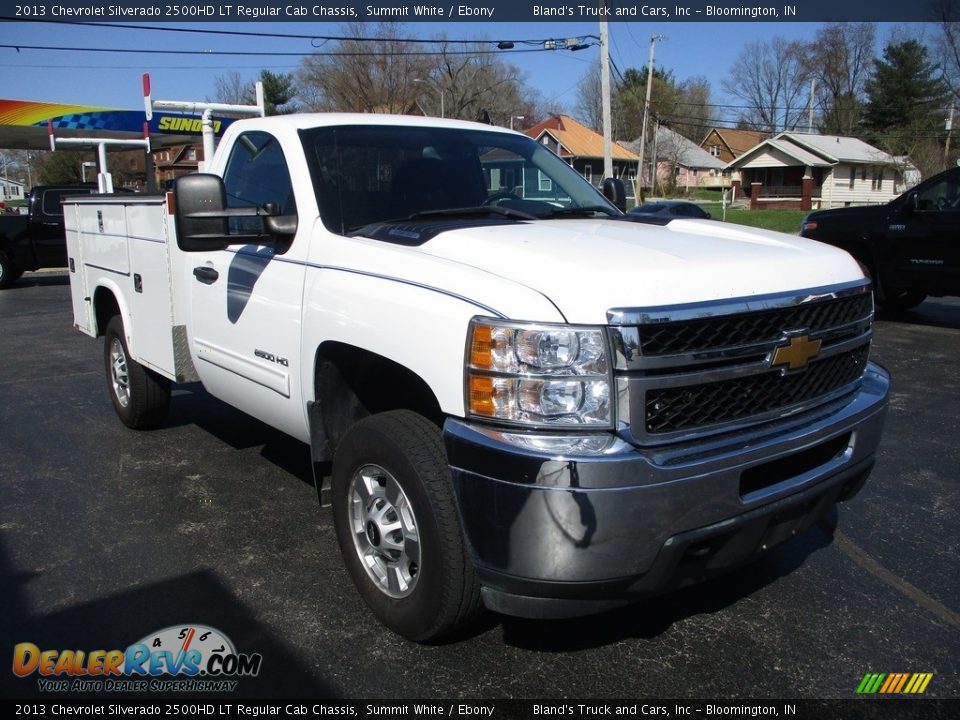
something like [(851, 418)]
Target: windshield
[(374, 174)]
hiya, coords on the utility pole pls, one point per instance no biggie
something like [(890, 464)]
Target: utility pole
[(813, 86), (605, 93), (653, 159), (646, 112), (946, 147)]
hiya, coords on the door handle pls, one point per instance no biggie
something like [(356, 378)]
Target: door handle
[(206, 275)]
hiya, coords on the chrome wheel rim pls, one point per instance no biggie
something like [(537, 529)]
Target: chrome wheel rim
[(119, 375), (384, 530)]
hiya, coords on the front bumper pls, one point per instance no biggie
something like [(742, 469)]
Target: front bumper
[(560, 526)]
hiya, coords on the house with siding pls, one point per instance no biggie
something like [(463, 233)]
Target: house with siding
[(681, 163), (12, 190), (796, 170), (729, 144), (582, 148)]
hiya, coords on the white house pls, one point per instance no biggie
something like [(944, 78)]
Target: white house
[(816, 171), (11, 189)]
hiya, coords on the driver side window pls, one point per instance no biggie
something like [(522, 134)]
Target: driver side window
[(257, 175), (943, 195)]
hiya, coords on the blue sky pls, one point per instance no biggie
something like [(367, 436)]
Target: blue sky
[(113, 79)]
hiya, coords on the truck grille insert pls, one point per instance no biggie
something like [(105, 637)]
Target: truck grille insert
[(693, 406), (698, 335)]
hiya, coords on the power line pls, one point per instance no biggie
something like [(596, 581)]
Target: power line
[(248, 53), (297, 36)]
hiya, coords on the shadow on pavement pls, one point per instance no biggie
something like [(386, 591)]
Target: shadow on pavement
[(119, 620)]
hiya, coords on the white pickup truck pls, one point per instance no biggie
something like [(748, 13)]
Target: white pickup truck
[(514, 396)]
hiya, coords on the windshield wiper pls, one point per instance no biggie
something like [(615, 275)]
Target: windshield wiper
[(443, 212), (474, 210), (574, 211)]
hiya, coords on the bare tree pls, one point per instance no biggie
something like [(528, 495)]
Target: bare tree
[(232, 88), (481, 83), (378, 76), (396, 75), (589, 107), (840, 58), (947, 13), (771, 78), (694, 113)]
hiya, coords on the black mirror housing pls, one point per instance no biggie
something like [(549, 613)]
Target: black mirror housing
[(614, 191), (203, 218)]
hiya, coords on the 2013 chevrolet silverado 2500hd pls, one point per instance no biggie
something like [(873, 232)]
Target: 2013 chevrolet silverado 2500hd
[(909, 246), (529, 403)]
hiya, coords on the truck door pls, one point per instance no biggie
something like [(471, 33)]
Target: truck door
[(926, 238), (46, 227), (246, 300)]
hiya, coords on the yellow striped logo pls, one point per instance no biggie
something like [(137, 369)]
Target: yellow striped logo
[(894, 683)]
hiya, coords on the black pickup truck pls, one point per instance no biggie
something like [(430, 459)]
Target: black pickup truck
[(910, 246), (36, 240)]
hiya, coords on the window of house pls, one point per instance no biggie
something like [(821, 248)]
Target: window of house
[(853, 177), (877, 183), (588, 173), (544, 183), (715, 150)]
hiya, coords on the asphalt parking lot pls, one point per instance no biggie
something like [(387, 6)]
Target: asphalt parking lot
[(107, 535)]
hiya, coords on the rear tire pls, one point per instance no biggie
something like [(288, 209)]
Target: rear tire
[(398, 528), (140, 396)]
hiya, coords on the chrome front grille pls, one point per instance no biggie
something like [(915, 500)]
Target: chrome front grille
[(698, 335), (692, 406), (705, 368)]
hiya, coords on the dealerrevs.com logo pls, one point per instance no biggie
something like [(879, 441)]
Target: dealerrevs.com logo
[(180, 658)]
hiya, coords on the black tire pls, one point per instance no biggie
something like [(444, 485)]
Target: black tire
[(400, 455), (140, 396), (9, 273)]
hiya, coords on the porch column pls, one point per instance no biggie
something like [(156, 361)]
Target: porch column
[(755, 195), (806, 190)]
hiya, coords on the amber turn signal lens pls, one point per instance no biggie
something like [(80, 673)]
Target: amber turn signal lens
[(481, 396), (481, 347)]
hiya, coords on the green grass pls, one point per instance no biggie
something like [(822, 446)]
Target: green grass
[(786, 221)]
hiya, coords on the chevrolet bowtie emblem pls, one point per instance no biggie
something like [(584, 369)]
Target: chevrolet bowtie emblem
[(796, 354)]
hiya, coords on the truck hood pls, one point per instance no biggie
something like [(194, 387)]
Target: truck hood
[(587, 267)]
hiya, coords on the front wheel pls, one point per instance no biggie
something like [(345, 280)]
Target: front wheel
[(140, 396), (894, 300), (8, 272), (398, 529)]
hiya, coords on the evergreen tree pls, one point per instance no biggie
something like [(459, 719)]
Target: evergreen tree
[(905, 98)]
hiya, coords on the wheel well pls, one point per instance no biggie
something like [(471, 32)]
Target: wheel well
[(352, 383), (105, 306)]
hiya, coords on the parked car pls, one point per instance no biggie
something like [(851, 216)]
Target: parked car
[(909, 245), (36, 240), (663, 211)]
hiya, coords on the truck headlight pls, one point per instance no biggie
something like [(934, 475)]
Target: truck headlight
[(538, 374)]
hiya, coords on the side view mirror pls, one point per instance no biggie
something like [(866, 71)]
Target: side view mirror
[(203, 218), (614, 191), (913, 202)]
